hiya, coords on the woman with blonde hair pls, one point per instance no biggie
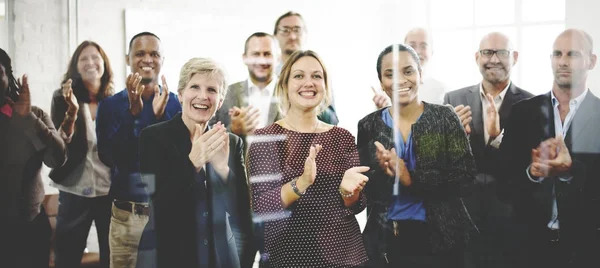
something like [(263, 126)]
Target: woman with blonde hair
[(305, 176)]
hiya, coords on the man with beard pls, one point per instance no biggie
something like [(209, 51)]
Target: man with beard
[(551, 161), (290, 31), (484, 110), (250, 105)]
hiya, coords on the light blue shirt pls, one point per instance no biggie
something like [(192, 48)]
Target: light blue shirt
[(560, 129)]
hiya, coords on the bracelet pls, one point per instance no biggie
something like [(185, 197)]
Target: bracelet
[(295, 188), (346, 195)]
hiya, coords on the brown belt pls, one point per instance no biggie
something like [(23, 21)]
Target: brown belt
[(132, 207)]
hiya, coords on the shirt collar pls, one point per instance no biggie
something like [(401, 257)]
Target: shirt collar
[(573, 102), (501, 95), (270, 87)]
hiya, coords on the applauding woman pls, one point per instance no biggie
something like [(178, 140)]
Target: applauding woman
[(84, 180), (198, 175), (306, 182), (420, 160)]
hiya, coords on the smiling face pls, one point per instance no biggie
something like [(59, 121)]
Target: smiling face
[(201, 98), (259, 57), (408, 77), (306, 85), (90, 64), (145, 58), (495, 58)]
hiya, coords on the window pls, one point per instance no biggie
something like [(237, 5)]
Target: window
[(457, 34)]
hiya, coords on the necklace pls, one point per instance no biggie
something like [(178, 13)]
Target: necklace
[(288, 123)]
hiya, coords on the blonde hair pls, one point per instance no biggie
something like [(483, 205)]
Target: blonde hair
[(205, 66), (281, 89)]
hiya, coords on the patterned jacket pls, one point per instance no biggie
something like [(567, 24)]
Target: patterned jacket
[(445, 169)]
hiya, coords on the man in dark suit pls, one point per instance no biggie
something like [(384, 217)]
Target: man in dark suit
[(484, 110), (554, 181)]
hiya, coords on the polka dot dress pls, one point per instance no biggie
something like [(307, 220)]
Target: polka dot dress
[(317, 230)]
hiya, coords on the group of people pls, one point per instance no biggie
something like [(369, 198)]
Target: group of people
[(214, 173)]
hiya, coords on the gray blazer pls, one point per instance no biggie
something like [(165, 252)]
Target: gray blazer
[(237, 95)]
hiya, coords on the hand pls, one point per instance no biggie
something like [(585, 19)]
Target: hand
[(550, 159), (220, 160), (245, 120), (381, 100), (464, 114), (23, 105), (206, 146), (159, 103), (70, 99), (134, 92), (353, 181), (492, 123), (391, 164), (310, 167)]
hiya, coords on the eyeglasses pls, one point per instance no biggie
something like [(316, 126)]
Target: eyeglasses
[(286, 31), (501, 53)]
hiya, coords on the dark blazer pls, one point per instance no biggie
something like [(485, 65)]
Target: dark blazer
[(444, 168), (530, 123), (77, 148), (164, 161), (486, 157)]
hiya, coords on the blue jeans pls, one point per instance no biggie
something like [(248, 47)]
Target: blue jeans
[(75, 216)]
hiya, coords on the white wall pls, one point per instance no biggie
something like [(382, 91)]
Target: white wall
[(583, 14)]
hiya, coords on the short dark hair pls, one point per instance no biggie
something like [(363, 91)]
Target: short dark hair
[(401, 47), (287, 14), (257, 34), (139, 35), (12, 82)]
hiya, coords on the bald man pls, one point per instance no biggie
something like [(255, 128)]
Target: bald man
[(432, 90), (555, 181), (484, 110)]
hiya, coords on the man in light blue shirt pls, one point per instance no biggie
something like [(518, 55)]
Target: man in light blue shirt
[(552, 155)]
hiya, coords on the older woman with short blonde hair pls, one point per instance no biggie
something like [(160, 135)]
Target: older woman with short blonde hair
[(199, 175)]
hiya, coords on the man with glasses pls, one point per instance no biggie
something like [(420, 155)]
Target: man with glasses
[(484, 110), (291, 33)]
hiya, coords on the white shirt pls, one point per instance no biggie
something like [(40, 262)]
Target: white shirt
[(261, 99), (432, 90), (91, 178), (560, 128), (485, 104)]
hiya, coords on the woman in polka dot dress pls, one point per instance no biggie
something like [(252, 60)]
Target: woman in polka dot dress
[(305, 176)]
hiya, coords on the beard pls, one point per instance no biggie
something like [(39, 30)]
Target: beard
[(146, 81), (256, 78)]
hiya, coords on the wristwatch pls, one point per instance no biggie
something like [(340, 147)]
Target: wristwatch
[(295, 188)]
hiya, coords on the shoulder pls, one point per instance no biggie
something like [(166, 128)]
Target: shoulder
[(370, 118), (461, 91), (532, 102), (158, 129), (524, 93), (37, 111), (436, 110), (57, 94), (341, 133), (116, 98)]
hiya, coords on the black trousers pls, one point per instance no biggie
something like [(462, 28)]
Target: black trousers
[(411, 248), (75, 216), (34, 242)]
